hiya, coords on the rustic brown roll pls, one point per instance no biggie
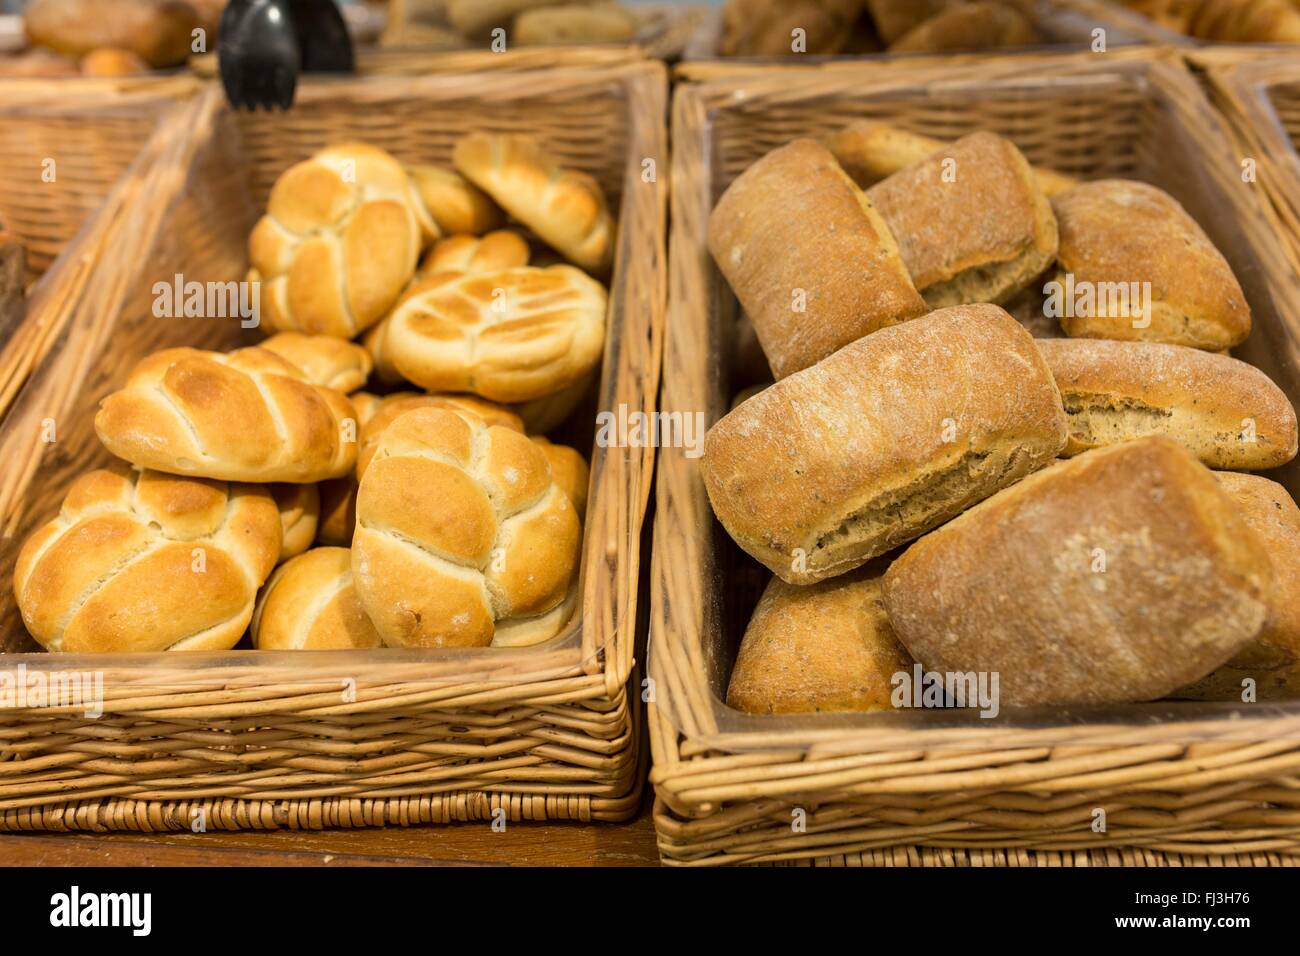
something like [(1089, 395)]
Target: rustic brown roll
[(299, 507), (981, 25), (323, 359), (1115, 233), (809, 258), (816, 649), (311, 603), (142, 561), (1116, 576), (970, 222), (246, 415), (887, 438), (1228, 413), (1272, 660)]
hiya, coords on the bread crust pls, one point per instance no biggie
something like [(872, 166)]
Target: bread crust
[(1116, 576), (793, 232), (501, 249), (1228, 413), (299, 507), (311, 603), (323, 359), (885, 439)]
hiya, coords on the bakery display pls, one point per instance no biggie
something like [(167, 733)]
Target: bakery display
[(1120, 575), (310, 603), (141, 561), (883, 440), (812, 262)]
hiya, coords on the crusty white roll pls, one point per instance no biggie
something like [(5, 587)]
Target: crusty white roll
[(310, 603), (462, 532), (394, 406), (502, 249), (323, 360), (446, 203), (246, 415), (569, 470), (299, 507), (142, 561)]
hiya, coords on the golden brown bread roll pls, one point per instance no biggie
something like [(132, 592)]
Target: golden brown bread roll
[(969, 26), (882, 441), (311, 603), (338, 243), (970, 222), (569, 470), (1272, 660), (109, 61), (809, 258), (1119, 575), (243, 416), (510, 335), (566, 208), (766, 27), (157, 31), (502, 249), (823, 648), (575, 24), (299, 507), (393, 406), (545, 414), (475, 19), (1229, 414), (338, 511), (1246, 21), (894, 18), (1115, 233), (494, 563), (323, 360), (447, 204), (142, 561)]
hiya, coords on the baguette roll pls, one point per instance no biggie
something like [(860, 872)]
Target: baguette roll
[(882, 441)]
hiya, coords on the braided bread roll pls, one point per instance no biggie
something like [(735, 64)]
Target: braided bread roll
[(462, 535), (311, 603), (246, 415), (299, 507), (323, 360), (564, 207), (142, 561), (502, 249), (338, 243), (510, 336)]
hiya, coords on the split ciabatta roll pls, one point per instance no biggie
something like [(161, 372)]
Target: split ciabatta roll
[(1120, 575), (823, 648), (246, 415), (882, 441), (142, 561), (1115, 233), (1272, 660), (311, 603), (323, 359), (970, 222), (1228, 413), (793, 232), (566, 208)]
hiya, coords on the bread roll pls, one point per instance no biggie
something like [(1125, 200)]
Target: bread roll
[(141, 561), (338, 511), (108, 61), (311, 604), (1115, 233), (1116, 576), (575, 24), (475, 19), (502, 249), (882, 441), (243, 416), (499, 553), (1246, 21), (510, 335), (299, 507), (809, 258), (1272, 660), (338, 243), (970, 222), (895, 18), (447, 204), (157, 31), (568, 470), (566, 208), (1228, 413), (823, 648), (766, 27), (970, 26), (545, 414), (323, 360), (392, 407)]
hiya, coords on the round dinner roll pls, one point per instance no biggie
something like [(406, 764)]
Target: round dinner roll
[(142, 561), (510, 335), (323, 360), (338, 243), (299, 507), (462, 532), (393, 406), (311, 604), (246, 415)]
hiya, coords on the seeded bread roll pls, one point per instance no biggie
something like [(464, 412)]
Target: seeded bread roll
[(970, 221), (887, 438), (1116, 576), (1228, 413), (811, 261), (311, 603), (826, 647), (1116, 232)]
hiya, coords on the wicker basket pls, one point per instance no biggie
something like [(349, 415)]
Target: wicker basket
[(248, 739), (1178, 781)]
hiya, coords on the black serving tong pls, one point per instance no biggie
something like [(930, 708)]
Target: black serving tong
[(264, 44)]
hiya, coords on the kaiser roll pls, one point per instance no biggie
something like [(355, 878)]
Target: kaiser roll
[(311, 603)]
